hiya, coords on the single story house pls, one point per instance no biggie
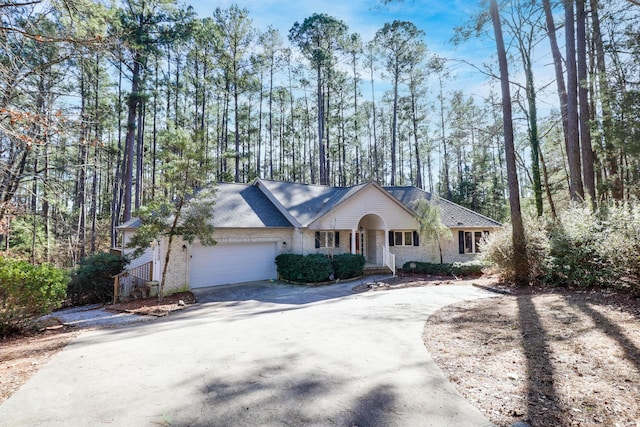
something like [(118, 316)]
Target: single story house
[(256, 222)]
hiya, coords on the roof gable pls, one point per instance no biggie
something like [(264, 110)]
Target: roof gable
[(451, 214), (245, 206), (303, 202)]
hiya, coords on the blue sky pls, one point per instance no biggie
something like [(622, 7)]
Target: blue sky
[(436, 18)]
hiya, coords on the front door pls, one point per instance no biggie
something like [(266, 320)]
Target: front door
[(360, 247)]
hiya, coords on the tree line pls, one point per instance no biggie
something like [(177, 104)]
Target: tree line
[(94, 96)]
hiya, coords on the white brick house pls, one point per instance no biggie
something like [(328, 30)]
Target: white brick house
[(256, 222)]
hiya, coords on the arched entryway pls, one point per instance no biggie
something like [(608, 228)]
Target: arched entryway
[(368, 239)]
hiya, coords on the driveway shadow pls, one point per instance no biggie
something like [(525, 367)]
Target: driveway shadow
[(277, 292)]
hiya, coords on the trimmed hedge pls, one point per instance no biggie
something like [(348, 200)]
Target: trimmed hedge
[(347, 266), (316, 268), (27, 291), (456, 269)]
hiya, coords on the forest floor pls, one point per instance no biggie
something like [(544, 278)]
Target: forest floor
[(545, 356)]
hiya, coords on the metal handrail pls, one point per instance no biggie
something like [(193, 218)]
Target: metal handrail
[(131, 279)]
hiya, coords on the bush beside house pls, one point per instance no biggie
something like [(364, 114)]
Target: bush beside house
[(315, 268), (470, 268), (92, 281), (581, 248), (27, 291)]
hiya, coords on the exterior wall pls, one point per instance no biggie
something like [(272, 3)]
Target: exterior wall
[(308, 243), (370, 200), (428, 251), (178, 270), (146, 257)]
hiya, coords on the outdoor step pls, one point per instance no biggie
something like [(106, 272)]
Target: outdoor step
[(376, 270)]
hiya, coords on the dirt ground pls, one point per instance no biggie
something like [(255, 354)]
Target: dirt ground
[(543, 356), (23, 356)]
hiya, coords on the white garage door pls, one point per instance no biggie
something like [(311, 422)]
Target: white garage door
[(227, 263)]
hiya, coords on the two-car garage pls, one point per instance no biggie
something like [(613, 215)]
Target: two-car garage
[(226, 263)]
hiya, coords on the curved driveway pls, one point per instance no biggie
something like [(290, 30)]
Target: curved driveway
[(257, 355)]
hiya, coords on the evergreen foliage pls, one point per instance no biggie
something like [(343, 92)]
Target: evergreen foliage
[(347, 266), (458, 269), (314, 268), (27, 291), (92, 281)]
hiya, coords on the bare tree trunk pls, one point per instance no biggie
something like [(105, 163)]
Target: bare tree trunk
[(547, 186), (520, 260), (132, 104), (576, 187), (557, 62), (394, 129), (322, 161), (588, 173), (605, 94), (140, 155)]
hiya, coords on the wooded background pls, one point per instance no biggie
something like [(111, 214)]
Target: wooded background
[(92, 95)]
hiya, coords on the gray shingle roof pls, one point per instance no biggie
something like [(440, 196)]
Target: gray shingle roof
[(452, 215), (305, 202), (245, 206)]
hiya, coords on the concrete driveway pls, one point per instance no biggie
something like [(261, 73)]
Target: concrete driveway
[(257, 355)]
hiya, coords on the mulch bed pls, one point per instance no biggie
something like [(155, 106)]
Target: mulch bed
[(154, 307)]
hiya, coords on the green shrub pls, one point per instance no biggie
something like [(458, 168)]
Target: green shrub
[(456, 269), (347, 266), (427, 268), (581, 248), (469, 268), (312, 268), (290, 267), (27, 291), (317, 268), (92, 281)]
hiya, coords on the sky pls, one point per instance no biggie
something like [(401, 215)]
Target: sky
[(437, 18)]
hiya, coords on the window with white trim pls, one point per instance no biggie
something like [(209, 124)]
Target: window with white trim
[(469, 241), (327, 239), (403, 238)]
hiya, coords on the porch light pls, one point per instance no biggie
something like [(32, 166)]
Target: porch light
[(360, 229)]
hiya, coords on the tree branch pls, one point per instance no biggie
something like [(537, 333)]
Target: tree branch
[(15, 4)]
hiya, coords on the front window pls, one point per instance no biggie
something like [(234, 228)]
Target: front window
[(326, 239), (403, 238), (470, 241)]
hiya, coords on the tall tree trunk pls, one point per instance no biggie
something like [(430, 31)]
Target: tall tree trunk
[(576, 187), (445, 155), (557, 63), (605, 95), (81, 196), (322, 157), (132, 104), (588, 174), (394, 128), (520, 260), (533, 134), (414, 119), (140, 155), (547, 186)]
